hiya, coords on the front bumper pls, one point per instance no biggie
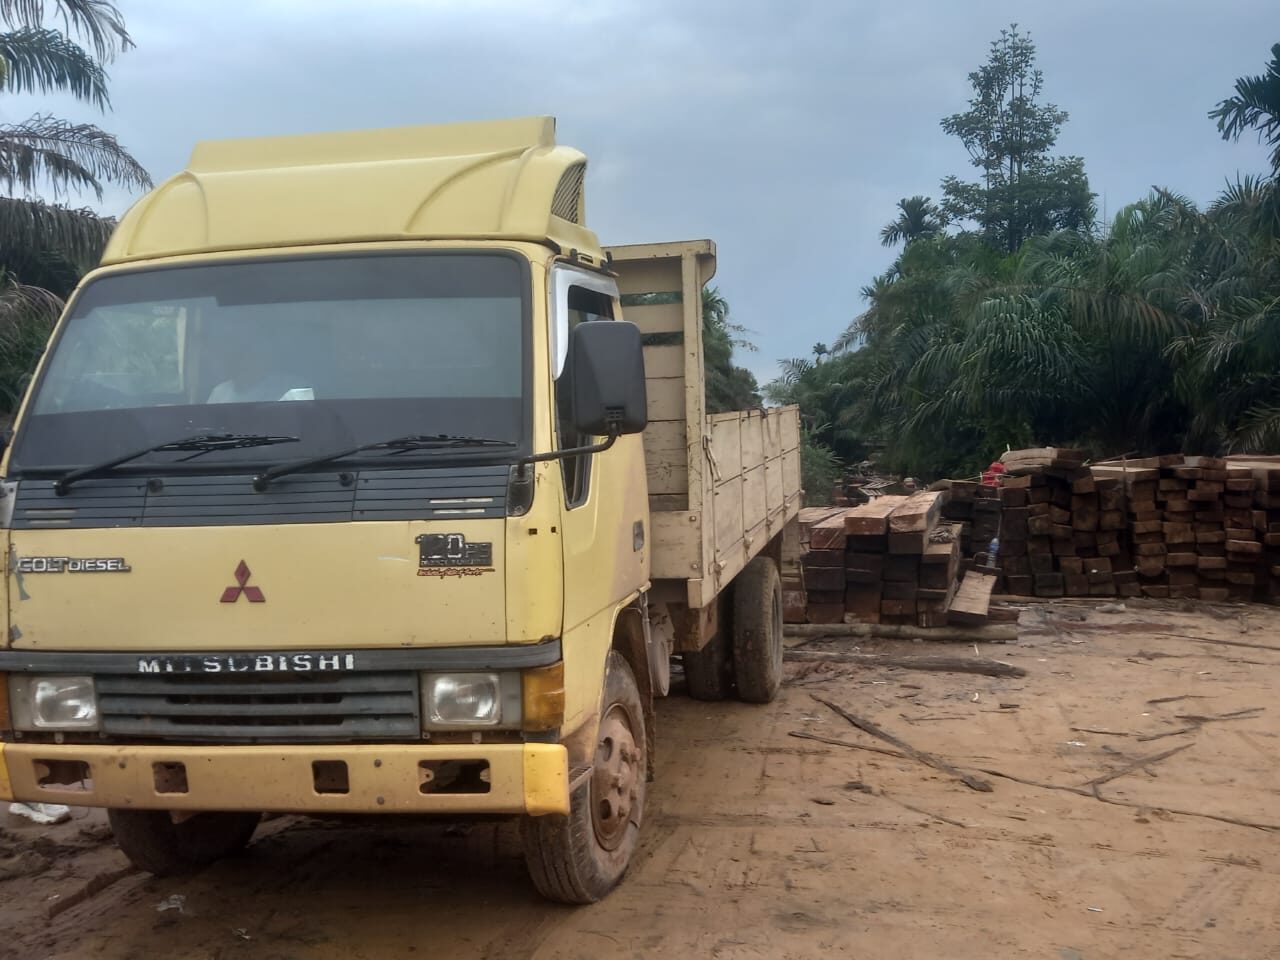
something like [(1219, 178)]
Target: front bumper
[(521, 778)]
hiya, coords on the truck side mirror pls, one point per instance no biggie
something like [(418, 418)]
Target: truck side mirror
[(606, 379)]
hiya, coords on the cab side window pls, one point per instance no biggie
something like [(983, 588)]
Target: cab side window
[(584, 306)]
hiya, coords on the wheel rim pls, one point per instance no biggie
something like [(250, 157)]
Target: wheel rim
[(615, 778)]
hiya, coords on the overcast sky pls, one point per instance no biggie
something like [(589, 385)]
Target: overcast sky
[(786, 132)]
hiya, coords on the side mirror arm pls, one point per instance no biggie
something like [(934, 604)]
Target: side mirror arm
[(570, 451)]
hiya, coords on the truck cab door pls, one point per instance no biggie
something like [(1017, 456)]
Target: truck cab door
[(605, 494)]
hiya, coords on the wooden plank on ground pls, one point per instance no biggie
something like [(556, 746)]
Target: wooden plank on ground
[(973, 598)]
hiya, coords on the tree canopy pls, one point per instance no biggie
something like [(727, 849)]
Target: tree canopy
[(1158, 332), (1009, 132), (56, 47)]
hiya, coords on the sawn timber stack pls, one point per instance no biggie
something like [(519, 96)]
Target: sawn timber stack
[(891, 561)]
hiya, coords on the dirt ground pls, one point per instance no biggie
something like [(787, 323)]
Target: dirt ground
[(762, 844)]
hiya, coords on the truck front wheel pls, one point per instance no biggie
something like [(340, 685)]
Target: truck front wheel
[(581, 857), (757, 631), (155, 841)]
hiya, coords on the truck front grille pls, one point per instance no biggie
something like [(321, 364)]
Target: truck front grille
[(261, 709)]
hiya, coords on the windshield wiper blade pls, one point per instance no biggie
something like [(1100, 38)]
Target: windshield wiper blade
[(199, 444), (414, 441)]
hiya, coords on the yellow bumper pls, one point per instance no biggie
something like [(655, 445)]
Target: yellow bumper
[(519, 778)]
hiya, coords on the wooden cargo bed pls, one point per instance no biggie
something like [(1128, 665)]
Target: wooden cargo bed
[(721, 486)]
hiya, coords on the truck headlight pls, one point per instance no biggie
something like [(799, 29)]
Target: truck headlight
[(463, 700), (53, 703)]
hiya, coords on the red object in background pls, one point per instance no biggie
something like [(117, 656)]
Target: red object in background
[(990, 476)]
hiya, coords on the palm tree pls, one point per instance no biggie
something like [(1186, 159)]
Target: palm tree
[(918, 217), (59, 154), (1256, 105), (728, 387), (46, 246)]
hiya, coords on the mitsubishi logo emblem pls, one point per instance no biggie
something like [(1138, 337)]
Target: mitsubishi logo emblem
[(253, 594)]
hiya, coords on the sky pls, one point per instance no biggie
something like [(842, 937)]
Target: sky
[(786, 132)]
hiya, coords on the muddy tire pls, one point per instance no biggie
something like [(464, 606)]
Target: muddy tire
[(708, 673), (154, 842), (757, 631), (580, 858)]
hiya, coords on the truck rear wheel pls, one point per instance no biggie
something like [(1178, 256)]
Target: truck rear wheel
[(581, 857), (155, 842), (708, 675), (757, 631)]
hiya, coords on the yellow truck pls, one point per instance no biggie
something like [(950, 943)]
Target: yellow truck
[(344, 487)]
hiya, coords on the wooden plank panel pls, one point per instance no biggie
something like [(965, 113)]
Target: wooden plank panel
[(666, 457), (773, 484), (656, 275), (754, 507), (752, 440), (790, 421), (726, 446), (656, 317), (791, 474), (663, 361), (666, 399), (732, 561), (728, 515), (677, 546), (772, 427)]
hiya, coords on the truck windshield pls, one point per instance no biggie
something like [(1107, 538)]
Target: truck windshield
[(338, 351)]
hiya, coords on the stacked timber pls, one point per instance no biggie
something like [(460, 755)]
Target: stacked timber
[(874, 577), (822, 566), (1062, 527), (893, 560), (1143, 526), (1015, 533), (1193, 527), (1212, 549), (1265, 472), (976, 508)]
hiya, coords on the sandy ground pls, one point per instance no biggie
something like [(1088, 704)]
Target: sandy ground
[(761, 844)]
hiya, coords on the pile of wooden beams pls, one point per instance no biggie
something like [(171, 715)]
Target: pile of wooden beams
[(1199, 525), (893, 561), (976, 508), (1062, 528), (1265, 472), (1175, 526)]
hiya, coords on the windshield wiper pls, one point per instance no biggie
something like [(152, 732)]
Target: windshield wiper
[(414, 441), (199, 445)]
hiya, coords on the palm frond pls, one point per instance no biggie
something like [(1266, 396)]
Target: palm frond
[(98, 22), (1256, 105), (67, 155), (30, 227), (27, 316), (44, 61)]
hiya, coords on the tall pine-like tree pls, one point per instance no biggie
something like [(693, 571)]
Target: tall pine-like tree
[(1009, 133)]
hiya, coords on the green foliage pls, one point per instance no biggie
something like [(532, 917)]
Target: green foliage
[(27, 315), (831, 394), (918, 218), (819, 470), (729, 387), (1256, 105), (1160, 334), (1009, 133), (50, 245)]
